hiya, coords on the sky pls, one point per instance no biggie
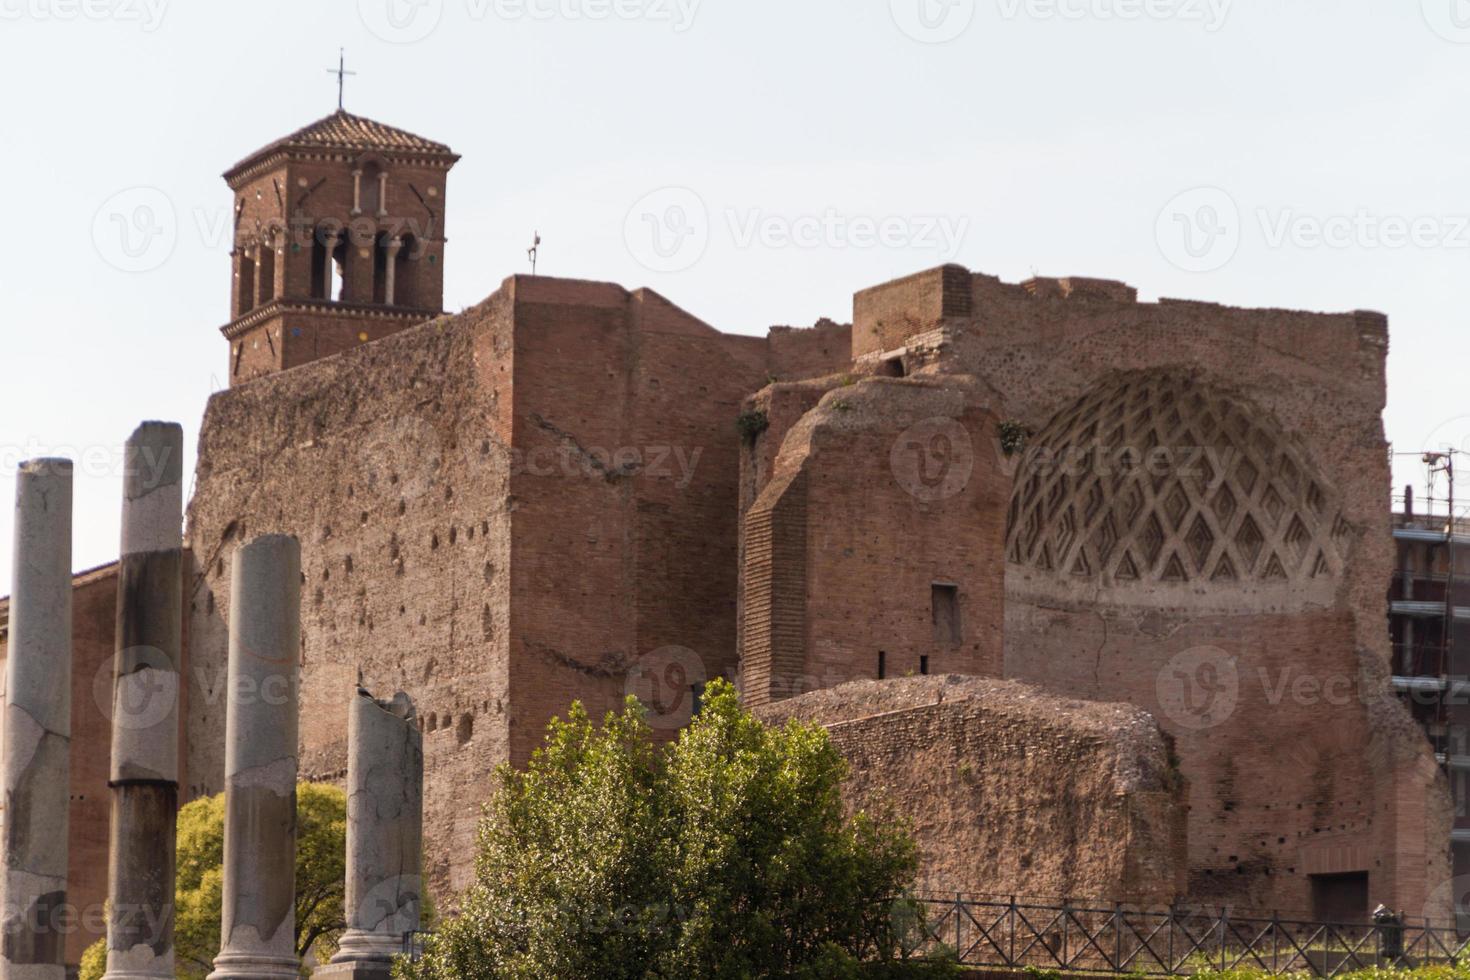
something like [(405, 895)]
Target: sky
[(756, 161)]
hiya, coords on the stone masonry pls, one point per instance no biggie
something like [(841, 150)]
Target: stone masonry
[(971, 764)]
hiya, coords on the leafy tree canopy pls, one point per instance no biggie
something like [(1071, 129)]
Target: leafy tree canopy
[(321, 857), (724, 855)]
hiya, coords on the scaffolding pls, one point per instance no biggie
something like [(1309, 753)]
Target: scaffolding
[(1429, 624)]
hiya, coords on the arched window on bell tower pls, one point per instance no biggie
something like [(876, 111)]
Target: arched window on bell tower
[(245, 285), (340, 253), (265, 273), (406, 272), (329, 252)]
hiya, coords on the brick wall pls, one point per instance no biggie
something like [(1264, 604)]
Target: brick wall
[(885, 317), (973, 766), (886, 491), (1279, 785), (390, 465), (500, 513)]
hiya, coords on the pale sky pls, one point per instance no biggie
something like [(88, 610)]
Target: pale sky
[(1307, 154)]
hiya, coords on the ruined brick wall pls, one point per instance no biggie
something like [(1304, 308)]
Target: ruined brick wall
[(391, 464), (886, 316), (1228, 576), (625, 519), (1011, 791), (809, 352), (869, 547), (500, 513)]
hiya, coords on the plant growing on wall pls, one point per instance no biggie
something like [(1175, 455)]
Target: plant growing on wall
[(1013, 436), (752, 424)]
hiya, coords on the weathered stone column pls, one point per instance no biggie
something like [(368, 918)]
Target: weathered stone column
[(385, 836), (258, 925), (37, 754), (145, 708)]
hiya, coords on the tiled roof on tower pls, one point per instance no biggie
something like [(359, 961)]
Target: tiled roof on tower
[(344, 131)]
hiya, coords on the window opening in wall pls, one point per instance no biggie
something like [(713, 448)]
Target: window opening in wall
[(266, 274), (1340, 897), (405, 273), (247, 286), (924, 665), (882, 665), (946, 610), (696, 693)]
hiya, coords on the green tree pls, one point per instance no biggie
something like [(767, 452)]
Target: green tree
[(723, 855), (321, 857)]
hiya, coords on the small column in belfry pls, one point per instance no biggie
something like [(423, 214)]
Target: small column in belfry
[(37, 747), (145, 708), (385, 836), (258, 924)]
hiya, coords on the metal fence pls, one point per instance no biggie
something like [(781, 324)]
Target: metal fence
[(413, 944), (1178, 941)]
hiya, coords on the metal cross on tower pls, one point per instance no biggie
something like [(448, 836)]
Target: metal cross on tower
[(341, 72)]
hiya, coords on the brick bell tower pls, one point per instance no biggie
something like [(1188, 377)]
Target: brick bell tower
[(339, 240)]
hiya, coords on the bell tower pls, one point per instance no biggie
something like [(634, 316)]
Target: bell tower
[(339, 241)]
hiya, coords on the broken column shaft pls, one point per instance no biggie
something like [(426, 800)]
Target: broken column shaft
[(257, 932), (385, 790), (37, 747), (145, 702)]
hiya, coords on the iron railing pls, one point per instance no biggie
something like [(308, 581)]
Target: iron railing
[(413, 944), (1096, 938)]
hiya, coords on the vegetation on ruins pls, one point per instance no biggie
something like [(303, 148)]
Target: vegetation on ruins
[(752, 424), (725, 854), (321, 842), (1013, 437)]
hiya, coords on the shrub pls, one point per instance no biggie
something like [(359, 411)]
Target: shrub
[(724, 855)]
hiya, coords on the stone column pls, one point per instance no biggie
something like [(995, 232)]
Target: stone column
[(258, 924), (385, 838), (37, 747), (390, 269), (145, 708)]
